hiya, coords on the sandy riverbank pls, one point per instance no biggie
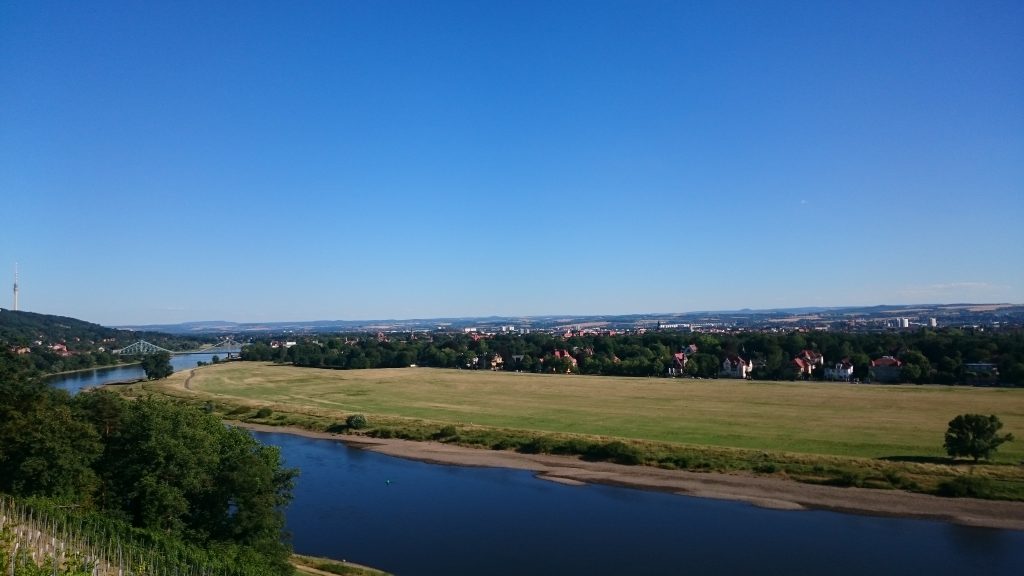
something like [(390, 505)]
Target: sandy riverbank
[(764, 491), (104, 367)]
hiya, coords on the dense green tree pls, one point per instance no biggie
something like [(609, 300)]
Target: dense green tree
[(44, 449), (157, 365), (910, 373), (176, 469), (162, 466), (974, 435)]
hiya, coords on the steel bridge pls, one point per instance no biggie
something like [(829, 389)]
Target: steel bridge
[(141, 348)]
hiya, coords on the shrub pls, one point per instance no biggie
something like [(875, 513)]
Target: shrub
[(503, 444), (448, 431), (615, 451), (356, 421), (264, 412), (573, 446), (900, 481), (846, 478), (538, 445), (966, 487)]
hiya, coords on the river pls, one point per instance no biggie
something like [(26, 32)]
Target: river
[(73, 382), (413, 518)]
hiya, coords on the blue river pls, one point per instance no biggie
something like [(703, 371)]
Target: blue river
[(73, 382), (412, 518)]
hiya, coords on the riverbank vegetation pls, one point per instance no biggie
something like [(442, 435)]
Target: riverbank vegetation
[(48, 344), (149, 464), (841, 434), (940, 356)]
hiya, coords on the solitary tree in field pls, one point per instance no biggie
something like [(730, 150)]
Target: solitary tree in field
[(974, 435)]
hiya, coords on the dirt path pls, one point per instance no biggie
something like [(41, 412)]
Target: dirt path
[(764, 491), (188, 379)]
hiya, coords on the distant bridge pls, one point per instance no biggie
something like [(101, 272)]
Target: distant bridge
[(142, 348)]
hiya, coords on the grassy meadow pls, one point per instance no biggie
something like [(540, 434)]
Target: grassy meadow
[(840, 434), (812, 418)]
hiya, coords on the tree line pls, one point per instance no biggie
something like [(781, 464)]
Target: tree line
[(164, 467), (940, 356)]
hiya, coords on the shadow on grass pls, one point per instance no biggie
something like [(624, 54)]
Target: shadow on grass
[(926, 460), (945, 460)]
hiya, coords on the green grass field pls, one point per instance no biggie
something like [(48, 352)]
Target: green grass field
[(810, 418)]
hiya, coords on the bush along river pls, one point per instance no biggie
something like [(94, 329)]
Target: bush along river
[(413, 518)]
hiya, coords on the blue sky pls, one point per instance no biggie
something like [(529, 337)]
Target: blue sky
[(258, 161)]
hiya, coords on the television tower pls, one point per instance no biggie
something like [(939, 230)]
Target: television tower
[(15, 286)]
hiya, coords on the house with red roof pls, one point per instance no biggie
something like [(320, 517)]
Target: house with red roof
[(806, 361), (886, 369), (560, 354), (678, 364)]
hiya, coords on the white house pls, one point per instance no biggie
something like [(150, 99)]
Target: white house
[(735, 367), (841, 371)]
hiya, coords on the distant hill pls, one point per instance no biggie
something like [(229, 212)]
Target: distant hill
[(26, 327), (949, 314)]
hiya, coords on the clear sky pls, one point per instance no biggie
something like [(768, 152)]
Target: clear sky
[(258, 161)]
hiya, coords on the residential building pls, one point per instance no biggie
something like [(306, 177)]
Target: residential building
[(678, 365), (564, 354), (841, 371), (980, 367), (806, 361), (736, 367), (886, 369)]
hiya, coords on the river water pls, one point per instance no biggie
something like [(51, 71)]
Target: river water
[(413, 518), (75, 381)]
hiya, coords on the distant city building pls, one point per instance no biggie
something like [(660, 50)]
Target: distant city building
[(932, 322)]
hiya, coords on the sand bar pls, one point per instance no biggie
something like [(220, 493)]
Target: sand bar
[(763, 491)]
